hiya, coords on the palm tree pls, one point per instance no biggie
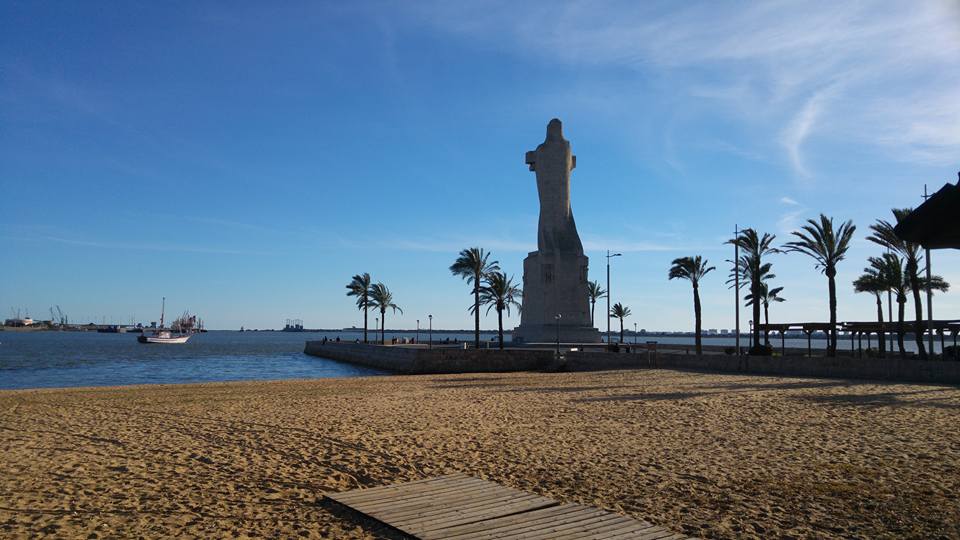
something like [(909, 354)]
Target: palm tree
[(767, 295), (890, 268), (472, 265), (883, 235), (619, 311), (693, 269), (755, 248), (360, 287), (381, 298), (594, 292), (874, 281), (499, 292), (827, 246)]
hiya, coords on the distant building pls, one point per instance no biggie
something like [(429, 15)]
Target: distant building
[(26, 321)]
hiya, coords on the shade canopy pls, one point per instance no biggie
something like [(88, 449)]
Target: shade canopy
[(935, 224)]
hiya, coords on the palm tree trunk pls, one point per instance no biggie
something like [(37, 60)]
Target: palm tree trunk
[(696, 319), (880, 337), (364, 321), (766, 321), (593, 309), (755, 291), (621, 329), (476, 308), (832, 286), (918, 326), (901, 307), (383, 326), (500, 326)]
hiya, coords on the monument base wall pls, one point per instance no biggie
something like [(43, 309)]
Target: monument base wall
[(547, 333)]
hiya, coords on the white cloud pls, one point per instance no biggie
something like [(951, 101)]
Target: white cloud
[(800, 128), (891, 70), (790, 220)]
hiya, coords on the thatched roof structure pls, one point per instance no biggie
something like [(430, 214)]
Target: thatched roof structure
[(935, 224)]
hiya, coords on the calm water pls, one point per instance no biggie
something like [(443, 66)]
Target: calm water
[(57, 359)]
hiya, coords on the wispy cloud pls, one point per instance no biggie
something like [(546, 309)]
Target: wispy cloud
[(788, 201), (889, 71), (800, 128), (790, 219)]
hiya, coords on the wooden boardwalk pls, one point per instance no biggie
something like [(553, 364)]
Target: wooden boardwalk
[(461, 507)]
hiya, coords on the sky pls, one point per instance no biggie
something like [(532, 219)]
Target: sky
[(245, 159)]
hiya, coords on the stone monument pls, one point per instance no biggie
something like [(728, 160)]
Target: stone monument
[(555, 276)]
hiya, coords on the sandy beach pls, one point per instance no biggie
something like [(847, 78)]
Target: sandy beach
[(721, 456)]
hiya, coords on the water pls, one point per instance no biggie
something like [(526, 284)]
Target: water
[(60, 359)]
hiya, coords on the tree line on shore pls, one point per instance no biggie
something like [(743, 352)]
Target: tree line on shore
[(896, 271)]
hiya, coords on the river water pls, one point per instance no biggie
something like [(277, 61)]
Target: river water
[(61, 359)]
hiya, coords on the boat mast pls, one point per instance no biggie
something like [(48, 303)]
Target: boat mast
[(163, 307)]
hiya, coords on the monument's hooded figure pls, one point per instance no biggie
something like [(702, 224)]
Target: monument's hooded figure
[(555, 276)]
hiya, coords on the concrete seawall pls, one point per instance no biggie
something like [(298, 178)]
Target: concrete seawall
[(889, 369), (413, 360)]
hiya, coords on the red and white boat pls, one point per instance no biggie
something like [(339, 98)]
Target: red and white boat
[(163, 336)]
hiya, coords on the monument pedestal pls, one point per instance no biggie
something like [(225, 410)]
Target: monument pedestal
[(555, 283)]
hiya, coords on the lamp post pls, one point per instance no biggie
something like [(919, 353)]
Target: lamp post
[(418, 332), (736, 285), (929, 290), (634, 333), (557, 317), (609, 256), (377, 323), (430, 339)]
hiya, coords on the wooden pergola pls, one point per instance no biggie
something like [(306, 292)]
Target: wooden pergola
[(807, 328), (857, 330)]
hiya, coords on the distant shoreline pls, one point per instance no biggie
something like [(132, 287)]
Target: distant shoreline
[(31, 329)]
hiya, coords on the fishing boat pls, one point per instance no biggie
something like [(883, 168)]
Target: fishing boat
[(160, 335)]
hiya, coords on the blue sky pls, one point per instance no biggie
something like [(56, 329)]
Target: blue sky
[(245, 159)]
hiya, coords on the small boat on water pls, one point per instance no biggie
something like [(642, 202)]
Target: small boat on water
[(160, 335), (163, 336)]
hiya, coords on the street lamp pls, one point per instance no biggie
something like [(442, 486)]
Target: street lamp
[(430, 339), (557, 317), (609, 256), (377, 319), (417, 341)]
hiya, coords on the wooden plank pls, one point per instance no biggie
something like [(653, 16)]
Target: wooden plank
[(491, 528), (578, 529), (444, 494), (659, 534), (608, 530), (435, 511), (460, 507), (502, 510), (360, 495), (582, 515), (624, 531)]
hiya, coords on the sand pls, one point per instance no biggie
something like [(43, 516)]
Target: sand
[(720, 456)]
